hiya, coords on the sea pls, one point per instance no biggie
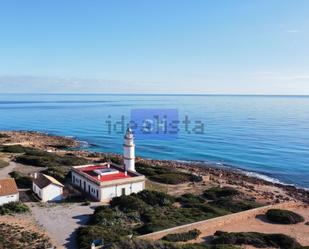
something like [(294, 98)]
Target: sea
[(264, 136)]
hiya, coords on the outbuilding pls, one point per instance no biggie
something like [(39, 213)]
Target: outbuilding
[(47, 188), (8, 191)]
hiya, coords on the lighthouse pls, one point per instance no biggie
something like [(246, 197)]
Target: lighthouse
[(129, 151)]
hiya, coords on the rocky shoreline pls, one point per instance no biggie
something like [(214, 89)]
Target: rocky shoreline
[(270, 192)]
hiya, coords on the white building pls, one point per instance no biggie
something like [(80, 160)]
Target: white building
[(106, 181), (8, 191), (47, 188)]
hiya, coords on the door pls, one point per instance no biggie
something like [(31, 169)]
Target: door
[(123, 191)]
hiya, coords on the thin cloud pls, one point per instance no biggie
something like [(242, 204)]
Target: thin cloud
[(292, 31)]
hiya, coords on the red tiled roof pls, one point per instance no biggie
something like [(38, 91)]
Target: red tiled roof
[(89, 170), (8, 187)]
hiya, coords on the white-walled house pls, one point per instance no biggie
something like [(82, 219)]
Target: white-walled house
[(47, 188), (106, 181), (8, 191)]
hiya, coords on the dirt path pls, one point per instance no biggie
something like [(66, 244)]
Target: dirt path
[(61, 221), (4, 172)]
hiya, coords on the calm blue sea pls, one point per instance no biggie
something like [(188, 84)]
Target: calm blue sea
[(268, 135)]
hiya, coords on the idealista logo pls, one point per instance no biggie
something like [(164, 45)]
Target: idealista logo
[(155, 124)]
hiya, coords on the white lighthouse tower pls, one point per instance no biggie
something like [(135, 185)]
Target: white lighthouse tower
[(129, 151)]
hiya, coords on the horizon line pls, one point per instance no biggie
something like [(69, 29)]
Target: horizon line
[(166, 94)]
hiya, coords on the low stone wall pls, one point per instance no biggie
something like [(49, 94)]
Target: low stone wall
[(217, 223)]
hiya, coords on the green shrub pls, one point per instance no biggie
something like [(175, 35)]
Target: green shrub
[(256, 239), (13, 149), (217, 192), (155, 198), (13, 208), (85, 235), (176, 237), (21, 181), (128, 203), (45, 159), (234, 206), (283, 216), (165, 175)]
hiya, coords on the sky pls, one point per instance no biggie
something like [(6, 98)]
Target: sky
[(155, 46)]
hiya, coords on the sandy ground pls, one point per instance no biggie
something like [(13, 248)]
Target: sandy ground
[(259, 224), (61, 221), (26, 221)]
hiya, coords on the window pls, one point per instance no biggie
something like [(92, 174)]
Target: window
[(97, 193)]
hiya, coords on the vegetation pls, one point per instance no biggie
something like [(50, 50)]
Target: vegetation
[(13, 236), (259, 240), (146, 212), (283, 216), (217, 192), (13, 208), (176, 237), (15, 149), (57, 166), (3, 163), (3, 135), (21, 181), (142, 244), (165, 175)]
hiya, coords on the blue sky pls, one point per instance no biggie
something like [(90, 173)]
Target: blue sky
[(155, 46)]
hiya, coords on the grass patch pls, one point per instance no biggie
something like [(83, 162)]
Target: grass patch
[(13, 208), (177, 237), (259, 240), (165, 175), (284, 216)]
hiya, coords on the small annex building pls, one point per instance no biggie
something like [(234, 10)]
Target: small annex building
[(8, 191), (47, 188)]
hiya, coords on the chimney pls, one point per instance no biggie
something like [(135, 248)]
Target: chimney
[(35, 175), (108, 165), (126, 173), (99, 177)]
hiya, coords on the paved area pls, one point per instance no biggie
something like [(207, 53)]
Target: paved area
[(61, 221)]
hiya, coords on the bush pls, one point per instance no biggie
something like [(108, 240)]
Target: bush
[(128, 203), (21, 181), (259, 240), (234, 206), (86, 235), (176, 237), (216, 192), (165, 175), (283, 216), (155, 198), (13, 149), (13, 208), (46, 159)]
